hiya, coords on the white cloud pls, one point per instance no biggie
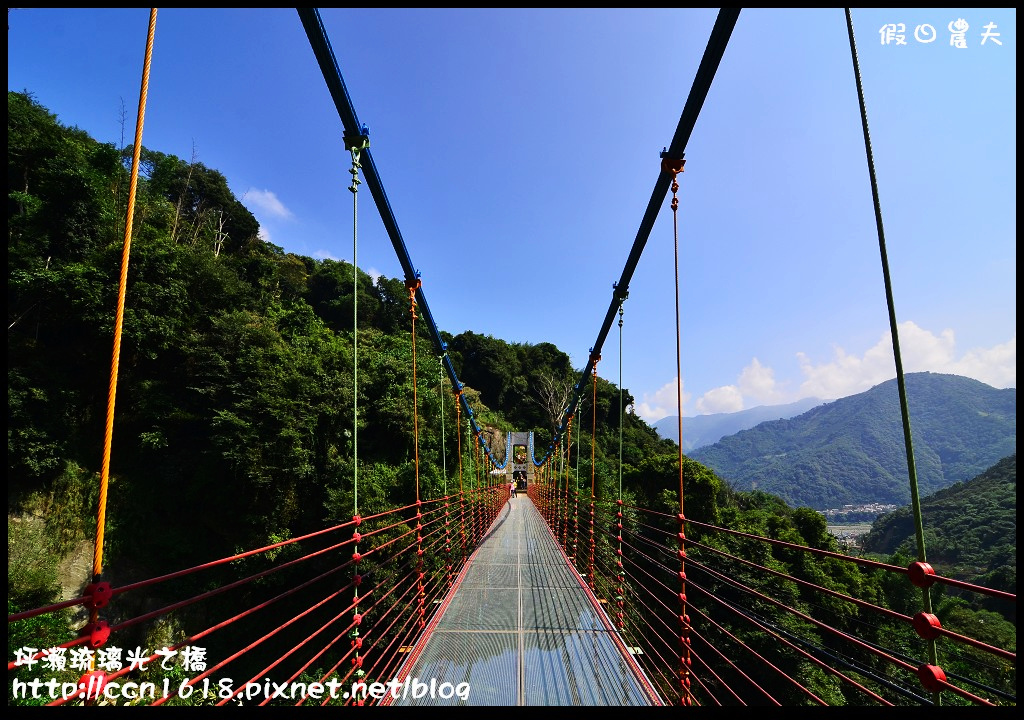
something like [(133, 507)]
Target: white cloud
[(757, 383), (921, 351), (845, 374), (996, 366), (265, 202), (725, 399), (326, 255), (663, 403)]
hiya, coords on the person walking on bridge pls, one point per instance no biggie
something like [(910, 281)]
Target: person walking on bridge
[(512, 490)]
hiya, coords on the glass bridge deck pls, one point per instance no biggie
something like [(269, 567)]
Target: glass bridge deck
[(520, 627)]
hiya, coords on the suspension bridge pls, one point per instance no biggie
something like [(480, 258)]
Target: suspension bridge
[(553, 597)]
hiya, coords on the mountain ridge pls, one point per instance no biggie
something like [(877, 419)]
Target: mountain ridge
[(852, 450), (701, 430)]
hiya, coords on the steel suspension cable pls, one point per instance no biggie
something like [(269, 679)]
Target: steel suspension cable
[(619, 577), (475, 494), (444, 479), (576, 498), (894, 331), (462, 494), (709, 63), (355, 149), (317, 35), (622, 410), (593, 475), (444, 459), (355, 145), (568, 464), (97, 564), (674, 166), (412, 286)]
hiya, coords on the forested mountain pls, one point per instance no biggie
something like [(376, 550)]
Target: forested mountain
[(852, 451), (704, 430), (970, 528)]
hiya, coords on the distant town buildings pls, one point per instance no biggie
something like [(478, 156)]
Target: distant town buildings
[(849, 522), (871, 510)]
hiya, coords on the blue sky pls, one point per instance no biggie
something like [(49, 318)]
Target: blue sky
[(519, 149)]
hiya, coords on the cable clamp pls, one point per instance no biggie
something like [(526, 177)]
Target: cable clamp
[(670, 164)]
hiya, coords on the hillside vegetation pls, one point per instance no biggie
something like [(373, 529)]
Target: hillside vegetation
[(970, 529)]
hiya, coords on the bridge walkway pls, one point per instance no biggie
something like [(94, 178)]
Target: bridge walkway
[(521, 627)]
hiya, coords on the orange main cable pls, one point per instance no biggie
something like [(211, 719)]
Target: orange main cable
[(97, 564), (412, 285), (420, 593)]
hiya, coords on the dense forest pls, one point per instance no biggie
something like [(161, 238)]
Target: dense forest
[(970, 528), (235, 393)]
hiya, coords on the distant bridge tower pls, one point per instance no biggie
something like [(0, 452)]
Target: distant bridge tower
[(519, 465)]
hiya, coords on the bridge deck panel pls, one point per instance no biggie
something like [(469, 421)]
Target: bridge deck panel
[(521, 628)]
